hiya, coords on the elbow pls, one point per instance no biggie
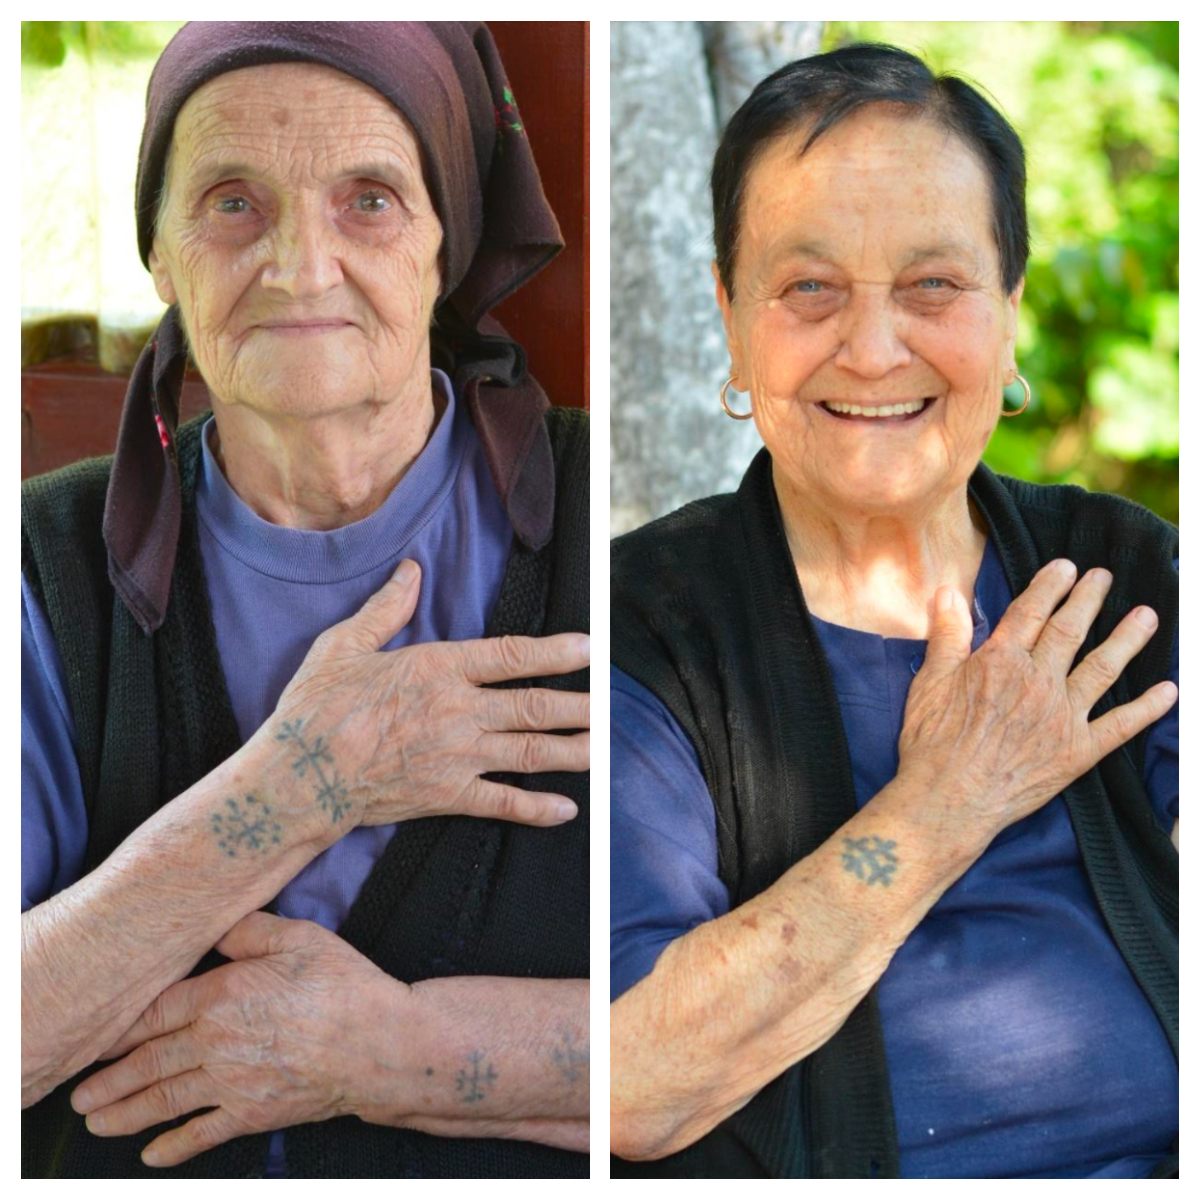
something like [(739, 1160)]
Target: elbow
[(639, 1136)]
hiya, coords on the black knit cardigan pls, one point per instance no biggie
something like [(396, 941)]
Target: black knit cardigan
[(449, 896), (708, 614)]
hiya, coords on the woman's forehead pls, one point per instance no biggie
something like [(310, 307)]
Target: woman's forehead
[(281, 108), (892, 174)]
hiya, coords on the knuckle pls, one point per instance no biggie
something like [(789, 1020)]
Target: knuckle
[(507, 804), (511, 651), (529, 755), (533, 708)]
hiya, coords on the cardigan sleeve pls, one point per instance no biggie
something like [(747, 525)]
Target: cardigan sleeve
[(53, 815)]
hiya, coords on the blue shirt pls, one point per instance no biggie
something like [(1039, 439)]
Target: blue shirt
[(273, 590), (1017, 1042)]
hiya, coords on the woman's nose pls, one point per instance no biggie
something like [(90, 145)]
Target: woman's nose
[(303, 256), (872, 330)]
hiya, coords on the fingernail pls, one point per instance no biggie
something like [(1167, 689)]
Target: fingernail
[(585, 645), (406, 572), (81, 1099), (1146, 617), (1102, 576), (1168, 689), (564, 810), (152, 1156), (97, 1122), (1065, 567)]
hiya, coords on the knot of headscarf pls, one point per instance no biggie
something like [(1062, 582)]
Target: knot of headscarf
[(446, 79)]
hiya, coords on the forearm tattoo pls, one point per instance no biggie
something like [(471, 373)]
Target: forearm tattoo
[(315, 756), (871, 858), (248, 827), (475, 1080), (570, 1056)]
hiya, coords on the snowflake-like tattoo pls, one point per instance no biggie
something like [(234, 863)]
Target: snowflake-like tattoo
[(248, 826), (473, 1081), (315, 756), (569, 1057), (870, 858)]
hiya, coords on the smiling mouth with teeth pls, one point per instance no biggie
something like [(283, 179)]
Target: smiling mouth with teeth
[(905, 410)]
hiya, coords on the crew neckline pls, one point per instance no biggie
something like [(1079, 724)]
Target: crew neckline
[(336, 555), (989, 577)]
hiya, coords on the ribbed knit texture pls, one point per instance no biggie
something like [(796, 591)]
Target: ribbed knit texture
[(450, 896), (708, 615)]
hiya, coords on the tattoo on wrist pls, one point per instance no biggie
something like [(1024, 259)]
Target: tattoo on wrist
[(331, 792), (871, 858), (474, 1081), (248, 827), (570, 1056)]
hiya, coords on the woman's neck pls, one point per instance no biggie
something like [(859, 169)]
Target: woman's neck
[(321, 472), (878, 572)]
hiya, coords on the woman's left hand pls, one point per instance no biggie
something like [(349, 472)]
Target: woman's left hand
[(282, 1035)]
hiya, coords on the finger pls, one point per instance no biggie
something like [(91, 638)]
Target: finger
[(492, 660), (531, 753), (151, 1062), (161, 1101), (1116, 727), (502, 802), (199, 1134), (173, 1009), (1028, 613), (1102, 667), (387, 612), (536, 708), (1068, 626), (950, 631), (256, 935)]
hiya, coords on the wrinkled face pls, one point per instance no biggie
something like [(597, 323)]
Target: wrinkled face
[(299, 240), (867, 276)]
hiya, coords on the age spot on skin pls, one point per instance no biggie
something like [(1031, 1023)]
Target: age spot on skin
[(280, 117), (750, 922), (788, 933)]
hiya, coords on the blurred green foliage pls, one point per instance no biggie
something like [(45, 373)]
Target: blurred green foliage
[(1097, 106)]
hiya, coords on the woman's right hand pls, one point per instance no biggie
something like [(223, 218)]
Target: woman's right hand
[(997, 733), (382, 736)]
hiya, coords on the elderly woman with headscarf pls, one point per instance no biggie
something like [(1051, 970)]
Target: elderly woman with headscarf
[(257, 647), (893, 886)]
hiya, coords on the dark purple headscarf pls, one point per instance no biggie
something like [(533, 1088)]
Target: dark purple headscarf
[(447, 80)]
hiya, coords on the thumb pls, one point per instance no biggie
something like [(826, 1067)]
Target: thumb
[(950, 630), (385, 613), (256, 935)]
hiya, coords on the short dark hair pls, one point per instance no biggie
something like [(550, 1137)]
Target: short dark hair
[(827, 88)]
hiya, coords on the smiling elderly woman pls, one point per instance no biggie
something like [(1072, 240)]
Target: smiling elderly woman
[(892, 772), (256, 679)]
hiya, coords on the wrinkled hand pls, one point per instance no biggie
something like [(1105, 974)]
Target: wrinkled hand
[(408, 733), (1000, 731), (282, 1035)]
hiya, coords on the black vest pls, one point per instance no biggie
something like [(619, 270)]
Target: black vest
[(708, 614), (449, 896)]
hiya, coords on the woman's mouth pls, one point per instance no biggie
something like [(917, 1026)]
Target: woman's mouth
[(898, 412)]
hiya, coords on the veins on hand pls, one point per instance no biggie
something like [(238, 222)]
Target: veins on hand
[(315, 756), (871, 858), (473, 1081), (247, 826)]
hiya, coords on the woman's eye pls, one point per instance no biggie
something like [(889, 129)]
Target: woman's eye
[(808, 287), (232, 205), (372, 202), (934, 284)]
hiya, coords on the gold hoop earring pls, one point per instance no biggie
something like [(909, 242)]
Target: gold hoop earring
[(737, 416), (1016, 412)]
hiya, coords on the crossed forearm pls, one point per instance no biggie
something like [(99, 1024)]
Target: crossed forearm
[(95, 955), (735, 1002), (481, 1056)]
